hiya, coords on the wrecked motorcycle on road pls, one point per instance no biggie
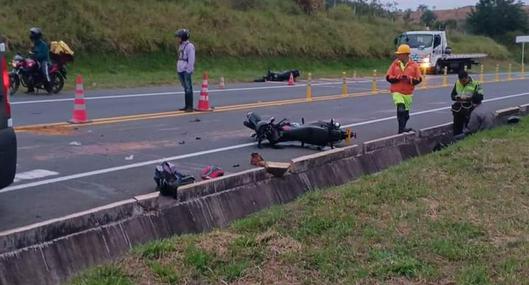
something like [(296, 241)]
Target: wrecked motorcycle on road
[(319, 133)]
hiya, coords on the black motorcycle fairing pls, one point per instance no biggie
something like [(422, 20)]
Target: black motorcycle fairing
[(319, 133)]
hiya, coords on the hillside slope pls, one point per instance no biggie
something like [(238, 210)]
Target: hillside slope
[(256, 28), (130, 43)]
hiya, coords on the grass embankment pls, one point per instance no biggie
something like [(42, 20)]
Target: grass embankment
[(460, 215), (158, 69), (130, 43)]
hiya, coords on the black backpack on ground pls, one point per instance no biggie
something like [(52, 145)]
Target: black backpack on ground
[(168, 179)]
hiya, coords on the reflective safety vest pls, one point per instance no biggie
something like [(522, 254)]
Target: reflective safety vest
[(411, 70), (472, 87)]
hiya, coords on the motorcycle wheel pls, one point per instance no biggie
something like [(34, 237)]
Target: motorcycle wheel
[(57, 83), (14, 84)]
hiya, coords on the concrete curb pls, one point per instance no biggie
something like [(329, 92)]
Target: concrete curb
[(524, 110), (503, 115), (53, 251)]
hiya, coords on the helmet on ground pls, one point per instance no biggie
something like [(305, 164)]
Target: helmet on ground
[(403, 49), (35, 33), (183, 34)]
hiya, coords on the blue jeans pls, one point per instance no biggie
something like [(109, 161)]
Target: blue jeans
[(185, 80), (45, 70)]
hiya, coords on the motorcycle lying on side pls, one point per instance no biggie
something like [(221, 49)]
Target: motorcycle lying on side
[(26, 72), (320, 133)]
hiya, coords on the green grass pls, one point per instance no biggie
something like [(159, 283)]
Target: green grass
[(104, 275), (159, 68), (459, 215), (131, 43)]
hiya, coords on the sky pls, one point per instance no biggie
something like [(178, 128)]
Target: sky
[(439, 4)]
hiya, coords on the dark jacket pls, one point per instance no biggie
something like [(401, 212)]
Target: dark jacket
[(41, 51)]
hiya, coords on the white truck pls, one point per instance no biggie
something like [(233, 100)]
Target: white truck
[(431, 50)]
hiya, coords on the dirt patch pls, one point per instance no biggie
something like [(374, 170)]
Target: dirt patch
[(277, 244), (217, 242), (432, 208), (271, 272), (57, 130), (125, 148), (140, 272)]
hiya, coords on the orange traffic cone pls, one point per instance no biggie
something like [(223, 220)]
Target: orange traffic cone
[(79, 115), (221, 84), (291, 80), (203, 103)]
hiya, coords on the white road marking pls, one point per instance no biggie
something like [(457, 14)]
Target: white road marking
[(107, 97), (217, 150), (34, 174)]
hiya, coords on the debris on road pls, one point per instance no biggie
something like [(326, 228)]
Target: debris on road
[(198, 138), (196, 120), (257, 160), (130, 157), (210, 172), (182, 142), (278, 169), (168, 179), (236, 165), (75, 143)]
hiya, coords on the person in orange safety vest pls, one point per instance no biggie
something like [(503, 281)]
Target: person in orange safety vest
[(403, 75)]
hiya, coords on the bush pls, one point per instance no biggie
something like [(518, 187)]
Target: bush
[(341, 12), (311, 6), (245, 4)]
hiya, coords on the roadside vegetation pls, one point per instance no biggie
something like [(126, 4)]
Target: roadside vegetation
[(130, 43), (458, 216)]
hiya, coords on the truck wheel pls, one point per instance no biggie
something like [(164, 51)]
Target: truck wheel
[(438, 69)]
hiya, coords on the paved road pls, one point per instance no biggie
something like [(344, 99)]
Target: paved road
[(63, 169)]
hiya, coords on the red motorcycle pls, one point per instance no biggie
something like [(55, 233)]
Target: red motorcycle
[(27, 72)]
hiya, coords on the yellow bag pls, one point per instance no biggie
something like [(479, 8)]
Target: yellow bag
[(60, 47)]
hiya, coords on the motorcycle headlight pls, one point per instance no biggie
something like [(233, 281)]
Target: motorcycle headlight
[(426, 60)]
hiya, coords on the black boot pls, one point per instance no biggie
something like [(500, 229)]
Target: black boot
[(406, 119), (401, 118), (459, 123), (47, 86)]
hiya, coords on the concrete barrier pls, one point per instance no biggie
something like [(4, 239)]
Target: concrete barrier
[(504, 114), (524, 110), (435, 131), (304, 163), (432, 137), (386, 142), (52, 229), (52, 251), (204, 188)]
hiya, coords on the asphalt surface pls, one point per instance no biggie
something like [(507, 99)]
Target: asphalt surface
[(63, 169)]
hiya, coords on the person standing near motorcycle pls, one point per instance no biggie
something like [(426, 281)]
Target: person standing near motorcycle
[(464, 91), (185, 66), (403, 75), (40, 53)]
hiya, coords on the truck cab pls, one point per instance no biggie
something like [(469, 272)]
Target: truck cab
[(430, 49), (8, 140)]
